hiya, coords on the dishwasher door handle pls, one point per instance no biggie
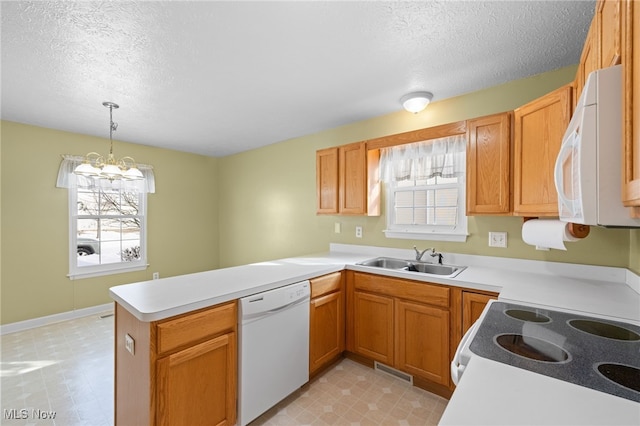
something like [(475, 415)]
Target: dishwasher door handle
[(288, 305)]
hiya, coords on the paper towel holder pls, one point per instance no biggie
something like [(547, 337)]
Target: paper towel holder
[(576, 230)]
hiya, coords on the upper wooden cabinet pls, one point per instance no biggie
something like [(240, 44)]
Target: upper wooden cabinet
[(327, 180), (489, 165), (589, 60), (346, 180), (539, 128), (631, 110), (608, 21)]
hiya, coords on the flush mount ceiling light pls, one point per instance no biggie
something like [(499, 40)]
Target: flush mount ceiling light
[(94, 164), (416, 101)]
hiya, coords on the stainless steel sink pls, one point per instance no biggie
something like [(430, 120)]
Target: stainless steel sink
[(448, 271), (430, 268), (386, 262)]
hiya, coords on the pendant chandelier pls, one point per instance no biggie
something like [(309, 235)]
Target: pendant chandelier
[(95, 165)]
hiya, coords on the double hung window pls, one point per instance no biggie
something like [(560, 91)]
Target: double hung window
[(107, 223), (425, 189)]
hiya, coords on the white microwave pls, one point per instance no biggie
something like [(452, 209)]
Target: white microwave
[(588, 170)]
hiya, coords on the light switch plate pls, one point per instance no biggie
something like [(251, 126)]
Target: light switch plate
[(498, 239)]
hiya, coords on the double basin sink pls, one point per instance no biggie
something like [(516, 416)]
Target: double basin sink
[(444, 271)]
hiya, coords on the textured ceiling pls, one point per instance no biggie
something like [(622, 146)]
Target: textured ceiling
[(216, 78)]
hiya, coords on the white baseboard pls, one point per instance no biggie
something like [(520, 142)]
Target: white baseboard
[(51, 319)]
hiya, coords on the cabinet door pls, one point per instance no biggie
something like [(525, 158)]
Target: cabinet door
[(488, 165), (608, 18), (422, 341), (539, 128), (589, 60), (472, 306), (373, 326), (353, 178), (326, 337), (631, 112), (197, 386), (327, 181)]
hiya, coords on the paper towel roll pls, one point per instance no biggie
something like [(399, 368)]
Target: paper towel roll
[(546, 233)]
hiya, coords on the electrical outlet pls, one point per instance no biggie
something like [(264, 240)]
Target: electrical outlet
[(130, 344), (156, 275), (358, 231), (498, 239)]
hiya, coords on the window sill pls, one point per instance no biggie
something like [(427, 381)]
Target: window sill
[(101, 273), (433, 236)]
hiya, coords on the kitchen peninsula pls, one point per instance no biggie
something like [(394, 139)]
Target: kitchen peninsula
[(157, 315)]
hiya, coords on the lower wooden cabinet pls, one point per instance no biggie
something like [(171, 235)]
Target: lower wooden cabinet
[(422, 341), (326, 321), (404, 324), (197, 385), (472, 306), (373, 321), (181, 371)]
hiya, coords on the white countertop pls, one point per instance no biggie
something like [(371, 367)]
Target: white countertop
[(489, 392), (583, 288), (492, 393)]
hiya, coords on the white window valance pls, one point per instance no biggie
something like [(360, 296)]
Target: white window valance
[(444, 157), (68, 179)]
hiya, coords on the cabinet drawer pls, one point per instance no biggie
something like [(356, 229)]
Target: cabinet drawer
[(403, 289), (174, 333), (326, 284)]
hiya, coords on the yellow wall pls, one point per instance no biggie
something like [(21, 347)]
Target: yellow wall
[(267, 196), (182, 220), (634, 251)]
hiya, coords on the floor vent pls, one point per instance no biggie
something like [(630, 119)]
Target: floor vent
[(408, 378)]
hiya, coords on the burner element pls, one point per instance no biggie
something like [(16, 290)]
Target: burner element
[(528, 316), (603, 329), (532, 348), (623, 375)]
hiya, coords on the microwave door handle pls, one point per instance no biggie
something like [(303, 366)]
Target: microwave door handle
[(558, 174)]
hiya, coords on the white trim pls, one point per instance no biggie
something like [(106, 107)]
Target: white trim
[(433, 236), (112, 271), (52, 319)]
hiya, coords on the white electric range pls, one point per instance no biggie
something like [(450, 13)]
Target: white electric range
[(528, 364)]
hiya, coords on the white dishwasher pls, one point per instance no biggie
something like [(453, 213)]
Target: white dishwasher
[(273, 348)]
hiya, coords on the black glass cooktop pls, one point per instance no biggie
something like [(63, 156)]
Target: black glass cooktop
[(599, 354)]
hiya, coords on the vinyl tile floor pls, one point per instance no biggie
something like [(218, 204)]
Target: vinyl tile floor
[(62, 374)]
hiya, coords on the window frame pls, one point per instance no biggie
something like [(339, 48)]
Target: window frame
[(80, 272), (457, 233)]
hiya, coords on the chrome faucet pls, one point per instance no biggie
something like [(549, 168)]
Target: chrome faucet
[(419, 253), (433, 253)]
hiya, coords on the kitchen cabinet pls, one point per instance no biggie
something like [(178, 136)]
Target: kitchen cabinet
[(472, 306), (373, 322), (539, 128), (422, 341), (631, 107), (489, 165), (181, 370), (608, 21), (327, 180), (326, 321), (404, 324), (589, 59), (347, 180)]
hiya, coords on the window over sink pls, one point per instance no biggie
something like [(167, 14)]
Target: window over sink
[(425, 189)]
